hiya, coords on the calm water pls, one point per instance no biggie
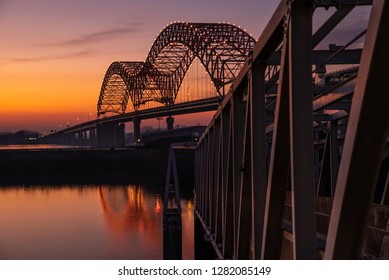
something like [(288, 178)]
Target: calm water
[(86, 222)]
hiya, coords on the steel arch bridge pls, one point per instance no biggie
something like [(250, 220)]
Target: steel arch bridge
[(221, 48)]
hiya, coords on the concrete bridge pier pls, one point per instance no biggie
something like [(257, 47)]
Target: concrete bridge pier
[(92, 138), (66, 139), (82, 138), (78, 141), (69, 139), (170, 122), (137, 135), (72, 141), (110, 135), (63, 139)]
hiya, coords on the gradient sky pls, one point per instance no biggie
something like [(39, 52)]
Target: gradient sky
[(54, 53)]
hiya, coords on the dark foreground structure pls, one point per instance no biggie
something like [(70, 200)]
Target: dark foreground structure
[(91, 166), (301, 172)]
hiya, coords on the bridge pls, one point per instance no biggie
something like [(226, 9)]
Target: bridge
[(294, 163), (220, 48), (302, 172), (170, 81)]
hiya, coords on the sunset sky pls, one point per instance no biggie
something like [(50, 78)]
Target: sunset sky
[(54, 53)]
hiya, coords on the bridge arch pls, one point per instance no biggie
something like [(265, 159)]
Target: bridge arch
[(221, 48)]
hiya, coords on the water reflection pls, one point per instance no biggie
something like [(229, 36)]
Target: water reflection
[(128, 214), (71, 222)]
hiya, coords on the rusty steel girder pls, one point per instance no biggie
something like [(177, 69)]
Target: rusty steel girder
[(221, 47)]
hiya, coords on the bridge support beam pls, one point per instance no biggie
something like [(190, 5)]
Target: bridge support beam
[(137, 135), (301, 132), (170, 122), (279, 166), (72, 141), (110, 135), (92, 138), (83, 138), (66, 139)]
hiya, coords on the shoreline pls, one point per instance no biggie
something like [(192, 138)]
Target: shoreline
[(58, 166)]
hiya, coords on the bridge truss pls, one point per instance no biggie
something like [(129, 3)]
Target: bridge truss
[(221, 48), (290, 166)]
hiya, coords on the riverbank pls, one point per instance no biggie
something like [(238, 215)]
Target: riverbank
[(91, 166)]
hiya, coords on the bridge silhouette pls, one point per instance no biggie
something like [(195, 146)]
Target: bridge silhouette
[(221, 48), (294, 164)]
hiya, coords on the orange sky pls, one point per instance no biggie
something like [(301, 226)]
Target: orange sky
[(54, 53)]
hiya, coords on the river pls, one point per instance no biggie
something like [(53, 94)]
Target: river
[(86, 222)]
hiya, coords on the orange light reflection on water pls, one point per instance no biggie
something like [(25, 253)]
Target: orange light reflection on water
[(128, 208), (70, 222)]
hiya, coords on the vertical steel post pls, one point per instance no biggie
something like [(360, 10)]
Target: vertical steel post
[(301, 131), (211, 136), (216, 176), (206, 180), (199, 193), (258, 155), (225, 141), (245, 204), (228, 232), (197, 178), (219, 185)]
